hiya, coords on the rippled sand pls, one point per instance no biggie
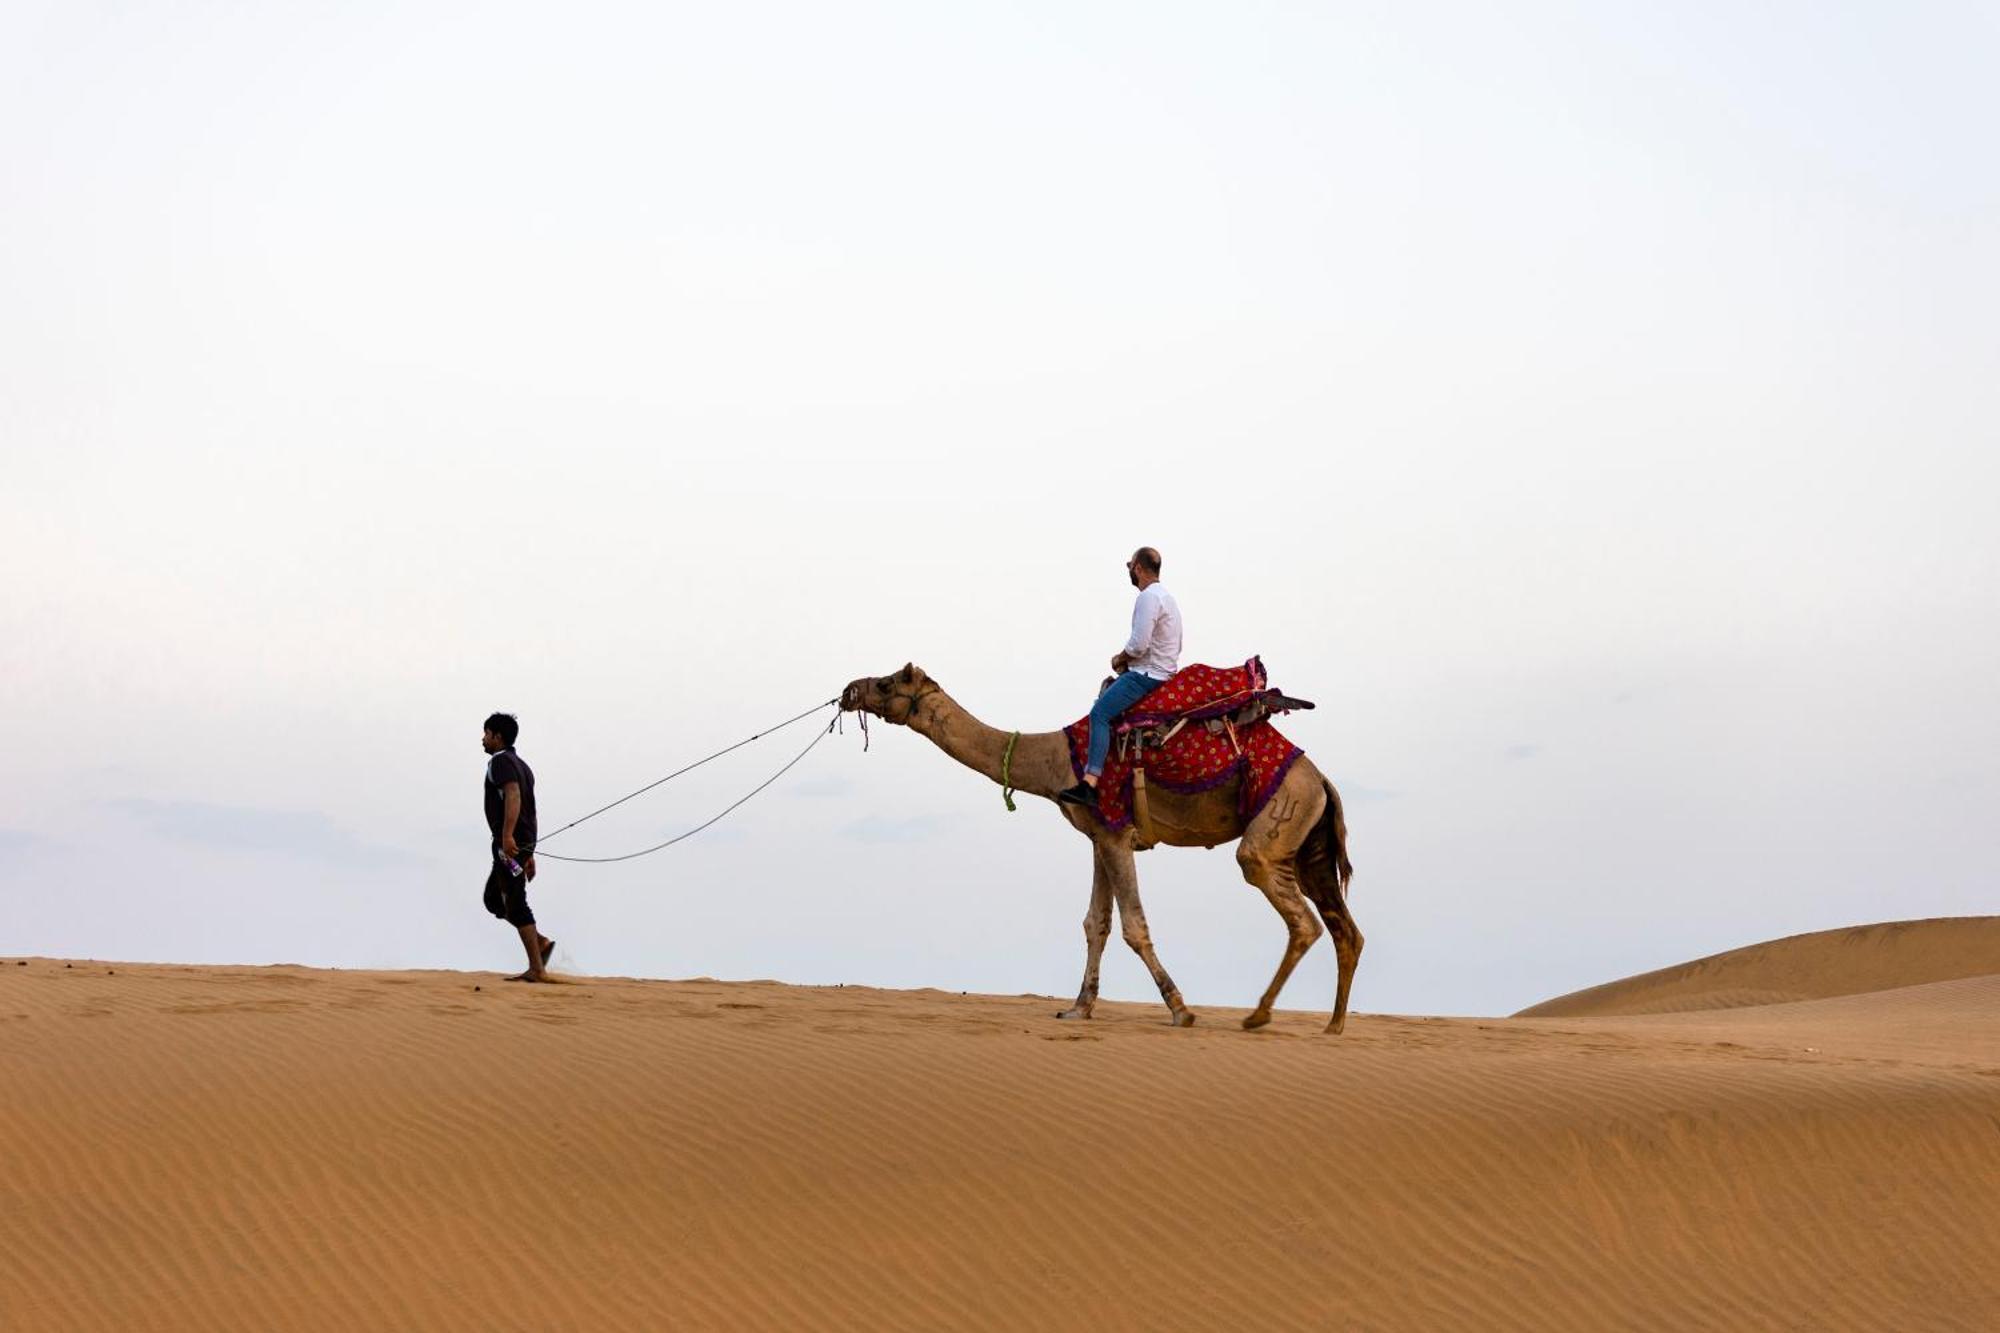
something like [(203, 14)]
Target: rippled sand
[(282, 1148)]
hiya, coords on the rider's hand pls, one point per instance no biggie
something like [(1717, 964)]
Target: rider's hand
[(509, 846), (528, 866)]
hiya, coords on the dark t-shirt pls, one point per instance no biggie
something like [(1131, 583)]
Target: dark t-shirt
[(501, 769)]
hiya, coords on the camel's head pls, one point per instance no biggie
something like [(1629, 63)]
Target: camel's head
[(891, 698)]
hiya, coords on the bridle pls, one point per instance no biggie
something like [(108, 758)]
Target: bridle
[(910, 702), (850, 700)]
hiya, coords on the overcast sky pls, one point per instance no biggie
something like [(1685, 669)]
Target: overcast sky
[(1591, 406)]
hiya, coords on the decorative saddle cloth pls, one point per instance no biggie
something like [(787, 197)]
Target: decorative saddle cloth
[(1206, 726)]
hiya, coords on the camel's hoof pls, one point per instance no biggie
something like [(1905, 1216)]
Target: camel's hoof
[(1183, 1019), (1336, 1027), (1073, 1015), (1255, 1021)]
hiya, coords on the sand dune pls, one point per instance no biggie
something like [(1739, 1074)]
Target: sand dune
[(279, 1148), (1799, 967)]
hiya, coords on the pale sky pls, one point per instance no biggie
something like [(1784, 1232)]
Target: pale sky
[(1592, 407)]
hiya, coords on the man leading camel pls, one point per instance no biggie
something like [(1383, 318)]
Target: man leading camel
[(510, 815), (1147, 661)]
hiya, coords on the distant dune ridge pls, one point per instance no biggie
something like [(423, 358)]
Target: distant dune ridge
[(1818, 966), (288, 1149)]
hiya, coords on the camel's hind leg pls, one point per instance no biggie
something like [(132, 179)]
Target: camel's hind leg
[(1347, 944), (1096, 929), (1268, 856), (1123, 876)]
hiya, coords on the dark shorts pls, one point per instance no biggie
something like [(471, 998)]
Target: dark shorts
[(507, 893)]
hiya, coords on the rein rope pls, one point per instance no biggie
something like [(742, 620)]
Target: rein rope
[(780, 726), (1007, 773)]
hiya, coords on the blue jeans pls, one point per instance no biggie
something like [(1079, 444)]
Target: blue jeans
[(1118, 696)]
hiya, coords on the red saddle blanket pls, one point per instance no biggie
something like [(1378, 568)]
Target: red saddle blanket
[(1196, 759)]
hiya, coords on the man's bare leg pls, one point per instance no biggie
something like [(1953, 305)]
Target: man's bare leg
[(538, 952)]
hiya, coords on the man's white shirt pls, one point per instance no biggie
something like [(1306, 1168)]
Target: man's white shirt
[(1155, 645)]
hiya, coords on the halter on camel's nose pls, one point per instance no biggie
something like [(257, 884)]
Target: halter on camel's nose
[(851, 697)]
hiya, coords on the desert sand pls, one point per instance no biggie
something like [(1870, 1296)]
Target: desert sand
[(283, 1148), (1819, 966)]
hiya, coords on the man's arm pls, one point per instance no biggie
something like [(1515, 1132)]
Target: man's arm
[(1145, 614), (510, 812)]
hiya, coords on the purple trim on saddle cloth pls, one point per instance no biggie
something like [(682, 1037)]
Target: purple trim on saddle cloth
[(1272, 784)]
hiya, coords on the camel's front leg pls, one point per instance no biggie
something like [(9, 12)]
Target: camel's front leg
[(1096, 929), (1124, 877)]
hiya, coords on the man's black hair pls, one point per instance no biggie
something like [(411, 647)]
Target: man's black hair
[(504, 726), (1148, 560)]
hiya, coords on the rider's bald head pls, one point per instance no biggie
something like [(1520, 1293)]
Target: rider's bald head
[(1148, 559)]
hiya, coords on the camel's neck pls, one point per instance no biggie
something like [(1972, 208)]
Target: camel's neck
[(1040, 763)]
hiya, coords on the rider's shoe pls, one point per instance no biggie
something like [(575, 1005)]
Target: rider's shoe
[(1081, 794)]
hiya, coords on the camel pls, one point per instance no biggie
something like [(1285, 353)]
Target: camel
[(1294, 850)]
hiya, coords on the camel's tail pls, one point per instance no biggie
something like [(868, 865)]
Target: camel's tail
[(1324, 869)]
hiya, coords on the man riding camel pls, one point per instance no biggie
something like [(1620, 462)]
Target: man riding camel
[(1147, 661)]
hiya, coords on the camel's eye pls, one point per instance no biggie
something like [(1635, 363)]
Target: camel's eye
[(882, 684)]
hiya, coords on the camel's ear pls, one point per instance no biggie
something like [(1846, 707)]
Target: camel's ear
[(908, 675)]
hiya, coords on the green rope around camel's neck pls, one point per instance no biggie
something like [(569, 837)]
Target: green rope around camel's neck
[(1006, 772)]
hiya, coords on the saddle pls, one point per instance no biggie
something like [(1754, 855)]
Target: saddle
[(1144, 730), (1133, 738)]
